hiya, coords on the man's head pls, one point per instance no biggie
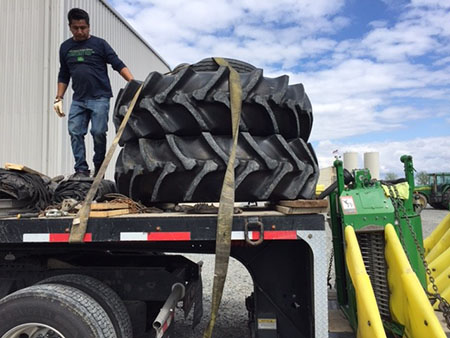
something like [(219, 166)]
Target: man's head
[(79, 24)]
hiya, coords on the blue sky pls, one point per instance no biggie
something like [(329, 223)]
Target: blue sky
[(377, 71)]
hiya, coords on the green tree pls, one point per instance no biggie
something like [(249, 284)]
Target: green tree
[(390, 176), (422, 178)]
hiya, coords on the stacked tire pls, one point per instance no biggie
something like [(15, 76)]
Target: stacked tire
[(177, 142)]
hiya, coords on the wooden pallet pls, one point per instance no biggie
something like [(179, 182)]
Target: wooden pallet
[(298, 207), (109, 209)]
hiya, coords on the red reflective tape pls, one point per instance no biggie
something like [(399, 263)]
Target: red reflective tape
[(167, 323), (169, 236), (280, 234), (65, 237), (288, 234), (165, 327)]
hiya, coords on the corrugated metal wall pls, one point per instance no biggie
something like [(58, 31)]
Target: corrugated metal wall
[(30, 35), (22, 65)]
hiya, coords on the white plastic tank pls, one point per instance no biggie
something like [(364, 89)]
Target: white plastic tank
[(372, 162), (351, 161)]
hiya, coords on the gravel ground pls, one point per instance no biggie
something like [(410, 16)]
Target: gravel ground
[(232, 319)]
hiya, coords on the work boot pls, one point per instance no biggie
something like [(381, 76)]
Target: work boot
[(81, 175), (78, 174)]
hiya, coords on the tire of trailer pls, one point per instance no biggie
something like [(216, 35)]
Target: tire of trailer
[(51, 307), (103, 295)]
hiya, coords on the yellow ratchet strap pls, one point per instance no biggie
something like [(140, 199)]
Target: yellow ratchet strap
[(225, 216)]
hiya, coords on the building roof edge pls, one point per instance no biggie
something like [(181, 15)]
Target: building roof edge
[(121, 18)]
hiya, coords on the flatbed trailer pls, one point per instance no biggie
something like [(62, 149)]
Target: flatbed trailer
[(284, 254)]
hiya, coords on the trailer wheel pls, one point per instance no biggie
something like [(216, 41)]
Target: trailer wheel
[(54, 311), (103, 295)]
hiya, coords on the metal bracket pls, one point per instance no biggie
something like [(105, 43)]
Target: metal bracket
[(55, 213), (254, 222)]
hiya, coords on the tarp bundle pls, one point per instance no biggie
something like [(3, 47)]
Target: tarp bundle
[(78, 189), (32, 193), (31, 189)]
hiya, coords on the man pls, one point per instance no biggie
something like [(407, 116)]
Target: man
[(84, 58)]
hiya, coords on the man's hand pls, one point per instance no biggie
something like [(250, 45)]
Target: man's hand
[(58, 107)]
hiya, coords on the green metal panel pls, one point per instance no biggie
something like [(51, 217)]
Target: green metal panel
[(366, 206)]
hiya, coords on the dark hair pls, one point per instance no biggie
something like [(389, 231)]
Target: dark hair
[(78, 14)]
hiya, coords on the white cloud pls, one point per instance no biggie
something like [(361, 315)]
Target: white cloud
[(257, 30), (442, 61), (403, 41), (430, 3)]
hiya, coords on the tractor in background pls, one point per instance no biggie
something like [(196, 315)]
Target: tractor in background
[(436, 192)]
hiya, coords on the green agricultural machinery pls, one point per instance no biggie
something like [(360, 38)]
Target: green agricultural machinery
[(381, 272), (436, 192)]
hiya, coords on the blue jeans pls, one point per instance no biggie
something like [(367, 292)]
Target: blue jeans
[(81, 112)]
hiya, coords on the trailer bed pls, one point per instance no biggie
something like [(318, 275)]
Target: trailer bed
[(155, 227), (268, 243)]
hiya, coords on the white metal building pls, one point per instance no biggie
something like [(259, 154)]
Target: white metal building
[(31, 32)]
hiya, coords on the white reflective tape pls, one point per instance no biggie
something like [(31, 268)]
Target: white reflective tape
[(36, 237), (237, 236), (240, 235), (134, 236)]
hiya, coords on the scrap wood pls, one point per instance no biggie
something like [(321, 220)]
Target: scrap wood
[(21, 167), (299, 211), (110, 206), (304, 203), (135, 207), (109, 213)]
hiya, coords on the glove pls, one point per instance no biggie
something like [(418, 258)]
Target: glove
[(58, 107)]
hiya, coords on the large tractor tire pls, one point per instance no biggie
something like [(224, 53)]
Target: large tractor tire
[(191, 169), (446, 200), (209, 65), (195, 99), (436, 205), (178, 139)]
